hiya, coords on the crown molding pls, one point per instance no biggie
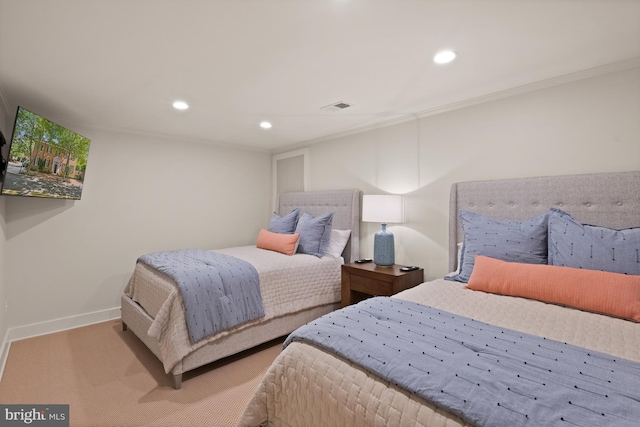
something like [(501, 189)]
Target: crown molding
[(493, 96), (535, 86), (167, 137), (399, 118)]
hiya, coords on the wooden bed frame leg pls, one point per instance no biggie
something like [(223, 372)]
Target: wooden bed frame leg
[(177, 381), (124, 326)]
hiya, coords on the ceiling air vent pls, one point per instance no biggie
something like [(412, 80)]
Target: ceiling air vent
[(338, 106)]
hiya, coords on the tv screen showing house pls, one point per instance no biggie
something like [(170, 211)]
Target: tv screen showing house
[(45, 159)]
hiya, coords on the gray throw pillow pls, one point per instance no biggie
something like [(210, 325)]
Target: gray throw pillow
[(513, 241), (284, 224), (315, 233), (572, 244)]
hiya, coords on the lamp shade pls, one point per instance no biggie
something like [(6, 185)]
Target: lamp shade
[(386, 208)]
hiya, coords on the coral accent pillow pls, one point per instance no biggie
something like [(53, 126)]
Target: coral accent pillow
[(283, 243), (592, 290)]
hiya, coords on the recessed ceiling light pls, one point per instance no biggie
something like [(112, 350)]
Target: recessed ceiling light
[(180, 105), (265, 125), (444, 56)]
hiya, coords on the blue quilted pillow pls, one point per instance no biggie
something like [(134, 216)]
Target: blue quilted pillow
[(572, 244), (284, 224), (513, 241), (315, 233)]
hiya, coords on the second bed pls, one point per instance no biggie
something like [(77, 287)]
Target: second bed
[(295, 290)]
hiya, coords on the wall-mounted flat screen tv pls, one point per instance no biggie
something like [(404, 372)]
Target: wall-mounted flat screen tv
[(45, 159)]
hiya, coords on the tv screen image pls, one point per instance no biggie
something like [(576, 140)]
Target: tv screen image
[(45, 159)]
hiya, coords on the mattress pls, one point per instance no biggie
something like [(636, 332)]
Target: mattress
[(307, 386), (288, 284)]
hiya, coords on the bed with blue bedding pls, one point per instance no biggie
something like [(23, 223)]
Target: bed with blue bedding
[(191, 307), (218, 291), (519, 344)]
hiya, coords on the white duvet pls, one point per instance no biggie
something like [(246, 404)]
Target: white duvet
[(288, 284), (306, 386)]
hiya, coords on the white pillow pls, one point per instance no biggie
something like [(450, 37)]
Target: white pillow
[(337, 242), (457, 261)]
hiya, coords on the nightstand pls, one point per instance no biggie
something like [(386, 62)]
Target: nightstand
[(360, 281)]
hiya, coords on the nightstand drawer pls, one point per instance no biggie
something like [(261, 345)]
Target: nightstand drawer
[(371, 286)]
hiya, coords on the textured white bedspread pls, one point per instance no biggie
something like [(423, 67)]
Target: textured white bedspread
[(306, 386), (288, 284)]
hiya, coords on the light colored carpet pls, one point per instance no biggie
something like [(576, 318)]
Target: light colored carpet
[(109, 378)]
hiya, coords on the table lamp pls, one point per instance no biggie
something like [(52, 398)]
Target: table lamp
[(384, 209)]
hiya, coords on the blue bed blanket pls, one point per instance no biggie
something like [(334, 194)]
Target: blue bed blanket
[(487, 375), (218, 291)]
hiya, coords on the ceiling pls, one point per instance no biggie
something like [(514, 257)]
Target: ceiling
[(119, 64)]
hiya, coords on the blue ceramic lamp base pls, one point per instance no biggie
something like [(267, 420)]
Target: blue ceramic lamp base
[(384, 248)]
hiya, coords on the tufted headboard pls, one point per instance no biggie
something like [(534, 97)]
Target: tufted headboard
[(345, 205), (606, 199)]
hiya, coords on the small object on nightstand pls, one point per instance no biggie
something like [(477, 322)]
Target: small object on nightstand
[(363, 261), (409, 268)]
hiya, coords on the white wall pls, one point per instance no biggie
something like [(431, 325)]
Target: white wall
[(587, 126), (63, 259), (141, 194)]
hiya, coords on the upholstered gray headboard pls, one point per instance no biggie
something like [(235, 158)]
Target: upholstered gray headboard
[(606, 199), (345, 205)]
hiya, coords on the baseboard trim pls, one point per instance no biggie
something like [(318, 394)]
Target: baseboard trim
[(58, 325), (52, 326)]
